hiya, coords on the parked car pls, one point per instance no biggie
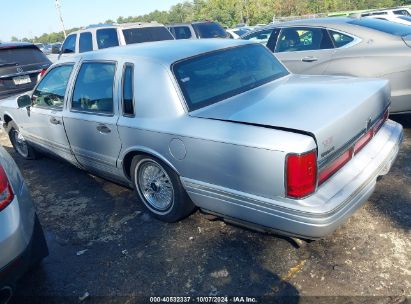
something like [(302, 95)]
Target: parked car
[(398, 11), (22, 242), (360, 47), (104, 36), (20, 66), (198, 30), (216, 123), (236, 33), (393, 18)]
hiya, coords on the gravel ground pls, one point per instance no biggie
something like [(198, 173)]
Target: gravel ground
[(104, 245)]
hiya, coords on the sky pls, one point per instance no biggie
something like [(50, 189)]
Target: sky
[(29, 18)]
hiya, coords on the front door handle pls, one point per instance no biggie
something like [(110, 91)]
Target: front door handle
[(103, 129), (55, 121), (309, 59)]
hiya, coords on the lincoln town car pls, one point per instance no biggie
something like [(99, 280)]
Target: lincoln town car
[(219, 125)]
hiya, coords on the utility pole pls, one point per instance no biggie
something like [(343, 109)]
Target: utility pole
[(58, 8)]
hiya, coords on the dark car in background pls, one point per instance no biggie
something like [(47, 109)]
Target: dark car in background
[(20, 66), (197, 30)]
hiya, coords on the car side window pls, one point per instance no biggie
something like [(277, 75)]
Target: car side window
[(69, 45), (402, 12), (52, 88), (93, 91), (85, 42), (128, 104), (303, 39), (107, 38), (260, 37), (181, 32), (340, 39)]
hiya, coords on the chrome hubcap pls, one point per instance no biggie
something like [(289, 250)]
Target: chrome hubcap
[(20, 143), (155, 185)]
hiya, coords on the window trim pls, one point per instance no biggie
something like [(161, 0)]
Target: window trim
[(70, 102), (127, 64), (65, 93)]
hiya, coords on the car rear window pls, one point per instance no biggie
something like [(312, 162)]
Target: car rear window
[(146, 34), (212, 77), (107, 38), (21, 56), (209, 30), (382, 26)]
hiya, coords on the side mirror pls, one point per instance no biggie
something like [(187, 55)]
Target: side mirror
[(24, 101)]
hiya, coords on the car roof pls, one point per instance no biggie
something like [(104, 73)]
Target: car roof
[(165, 52), (95, 27), (4, 45)]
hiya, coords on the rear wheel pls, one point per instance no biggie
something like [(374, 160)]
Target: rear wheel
[(160, 189), (21, 146)]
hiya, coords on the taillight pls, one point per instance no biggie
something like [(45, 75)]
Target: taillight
[(42, 72), (6, 193), (379, 123), (363, 141), (335, 166), (301, 171)]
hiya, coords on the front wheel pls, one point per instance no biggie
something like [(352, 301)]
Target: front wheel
[(20, 145), (160, 189)]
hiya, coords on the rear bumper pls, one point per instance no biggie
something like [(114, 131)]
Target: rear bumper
[(319, 214)]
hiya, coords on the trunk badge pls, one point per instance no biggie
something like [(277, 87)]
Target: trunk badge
[(20, 70)]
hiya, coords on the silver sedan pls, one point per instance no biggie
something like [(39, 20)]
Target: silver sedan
[(361, 47), (22, 243), (216, 124)]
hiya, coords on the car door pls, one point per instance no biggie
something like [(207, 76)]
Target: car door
[(43, 123), (304, 50), (91, 117)]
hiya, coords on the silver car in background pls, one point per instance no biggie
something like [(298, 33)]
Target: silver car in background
[(216, 124), (361, 47), (22, 242)]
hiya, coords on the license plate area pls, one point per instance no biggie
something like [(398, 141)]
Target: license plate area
[(21, 80)]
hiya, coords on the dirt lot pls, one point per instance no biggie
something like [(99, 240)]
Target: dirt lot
[(102, 243)]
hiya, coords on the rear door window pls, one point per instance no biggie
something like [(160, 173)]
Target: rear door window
[(107, 38), (181, 32), (402, 12), (93, 91), (128, 104), (52, 88), (146, 34), (69, 45), (303, 39), (209, 30), (340, 39), (85, 43)]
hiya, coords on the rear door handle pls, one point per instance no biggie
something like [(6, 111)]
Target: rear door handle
[(103, 129), (309, 59), (55, 121)]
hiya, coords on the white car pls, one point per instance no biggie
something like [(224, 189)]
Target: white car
[(109, 35), (393, 18), (236, 33), (399, 11)]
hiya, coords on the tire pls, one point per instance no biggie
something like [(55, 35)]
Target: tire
[(20, 145), (160, 189)]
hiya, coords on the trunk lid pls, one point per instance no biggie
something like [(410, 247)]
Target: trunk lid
[(334, 110)]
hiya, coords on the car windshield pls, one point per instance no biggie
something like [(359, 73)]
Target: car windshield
[(21, 56), (209, 78), (209, 30), (146, 34), (241, 32), (382, 26)]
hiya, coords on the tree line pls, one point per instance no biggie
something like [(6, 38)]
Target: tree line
[(232, 12)]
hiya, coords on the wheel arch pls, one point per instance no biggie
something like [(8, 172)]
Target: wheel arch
[(129, 155)]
